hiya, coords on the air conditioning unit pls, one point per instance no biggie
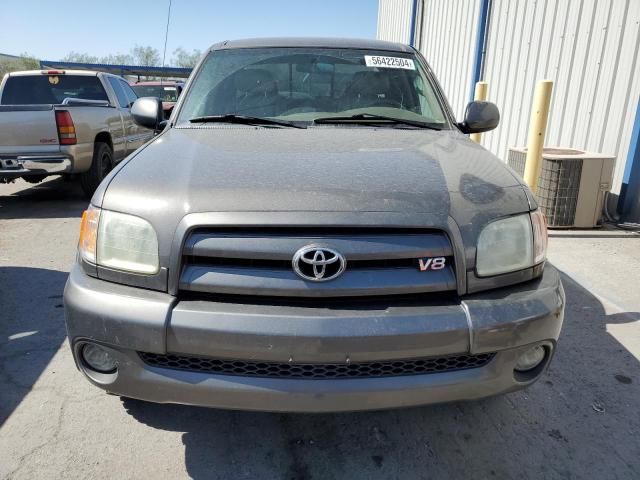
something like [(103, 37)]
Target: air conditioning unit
[(571, 186)]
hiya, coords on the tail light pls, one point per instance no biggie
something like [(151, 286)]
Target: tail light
[(66, 129)]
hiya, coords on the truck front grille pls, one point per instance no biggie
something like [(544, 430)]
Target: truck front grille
[(258, 262), (319, 371)]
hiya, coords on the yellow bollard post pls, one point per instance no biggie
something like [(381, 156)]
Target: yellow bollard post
[(537, 129), (480, 95)]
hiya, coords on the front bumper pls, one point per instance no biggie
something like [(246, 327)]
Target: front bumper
[(129, 320)]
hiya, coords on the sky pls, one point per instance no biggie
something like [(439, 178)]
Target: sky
[(51, 29)]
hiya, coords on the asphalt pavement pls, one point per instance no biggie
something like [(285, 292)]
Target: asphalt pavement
[(581, 420)]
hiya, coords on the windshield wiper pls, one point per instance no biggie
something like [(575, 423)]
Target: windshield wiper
[(370, 117), (243, 120)]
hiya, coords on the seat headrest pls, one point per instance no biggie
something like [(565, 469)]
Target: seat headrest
[(370, 83)]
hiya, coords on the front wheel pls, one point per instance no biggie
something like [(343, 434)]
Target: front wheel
[(101, 164)]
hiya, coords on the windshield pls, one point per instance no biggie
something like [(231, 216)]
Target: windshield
[(303, 84), (166, 93)]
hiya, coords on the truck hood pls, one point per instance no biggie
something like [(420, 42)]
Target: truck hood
[(234, 168), (237, 168)]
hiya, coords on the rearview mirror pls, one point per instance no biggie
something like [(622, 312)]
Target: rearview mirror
[(480, 117), (147, 112)]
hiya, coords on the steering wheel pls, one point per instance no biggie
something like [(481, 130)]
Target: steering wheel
[(300, 109), (388, 102)]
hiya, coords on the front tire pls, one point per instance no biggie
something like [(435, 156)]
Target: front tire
[(101, 164)]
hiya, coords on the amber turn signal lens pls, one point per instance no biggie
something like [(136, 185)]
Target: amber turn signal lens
[(89, 234), (540, 236)]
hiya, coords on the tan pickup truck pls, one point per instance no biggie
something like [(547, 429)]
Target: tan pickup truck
[(56, 122)]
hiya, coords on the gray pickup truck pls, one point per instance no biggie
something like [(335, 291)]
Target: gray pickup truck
[(56, 122), (313, 231)]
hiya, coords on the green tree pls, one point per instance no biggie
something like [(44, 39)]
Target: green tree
[(117, 59), (147, 56), (139, 55), (79, 57), (184, 59), (24, 62)]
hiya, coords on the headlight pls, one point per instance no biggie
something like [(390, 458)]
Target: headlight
[(119, 241), (512, 244)]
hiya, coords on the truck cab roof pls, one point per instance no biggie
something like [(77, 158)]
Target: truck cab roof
[(313, 42), (51, 71)]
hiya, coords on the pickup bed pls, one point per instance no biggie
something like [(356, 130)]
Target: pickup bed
[(55, 122)]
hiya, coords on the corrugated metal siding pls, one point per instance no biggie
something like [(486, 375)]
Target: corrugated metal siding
[(394, 20), (447, 40), (588, 48)]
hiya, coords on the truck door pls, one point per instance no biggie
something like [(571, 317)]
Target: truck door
[(140, 135), (127, 121)]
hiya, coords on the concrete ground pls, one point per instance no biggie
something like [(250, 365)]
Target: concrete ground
[(581, 420)]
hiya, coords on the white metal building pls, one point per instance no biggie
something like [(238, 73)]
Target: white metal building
[(589, 48)]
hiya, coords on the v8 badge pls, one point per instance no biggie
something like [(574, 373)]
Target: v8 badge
[(433, 263)]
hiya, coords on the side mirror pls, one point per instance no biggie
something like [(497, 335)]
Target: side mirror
[(480, 117), (147, 112)]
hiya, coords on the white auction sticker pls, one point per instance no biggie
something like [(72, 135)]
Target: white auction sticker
[(389, 62)]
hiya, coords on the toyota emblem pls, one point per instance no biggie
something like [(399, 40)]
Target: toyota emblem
[(318, 264)]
